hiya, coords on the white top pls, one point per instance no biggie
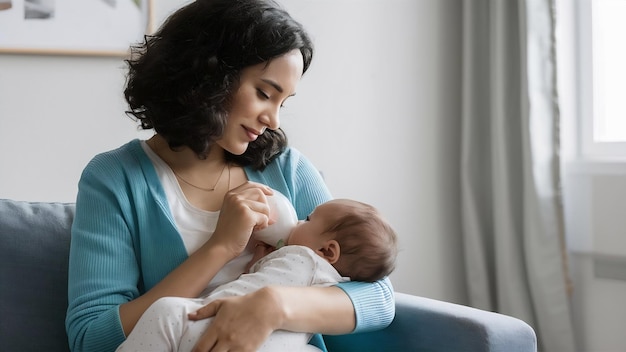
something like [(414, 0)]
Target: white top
[(195, 225)]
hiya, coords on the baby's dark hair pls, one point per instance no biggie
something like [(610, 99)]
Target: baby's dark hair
[(368, 244), (181, 79)]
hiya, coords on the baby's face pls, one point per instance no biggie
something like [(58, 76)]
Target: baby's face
[(310, 232)]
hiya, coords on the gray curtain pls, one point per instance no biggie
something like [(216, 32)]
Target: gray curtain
[(510, 180)]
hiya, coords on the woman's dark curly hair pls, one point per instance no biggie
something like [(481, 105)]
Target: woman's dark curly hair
[(181, 79)]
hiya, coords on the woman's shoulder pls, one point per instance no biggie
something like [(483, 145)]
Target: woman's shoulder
[(127, 162), (298, 179), (288, 156), (126, 171), (118, 157), (278, 166), (290, 166), (292, 161)]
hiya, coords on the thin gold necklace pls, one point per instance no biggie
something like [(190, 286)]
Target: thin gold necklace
[(203, 188)]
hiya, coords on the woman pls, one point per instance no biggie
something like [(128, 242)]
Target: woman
[(172, 216)]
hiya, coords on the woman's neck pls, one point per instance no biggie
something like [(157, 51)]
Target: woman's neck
[(184, 158), (204, 182)]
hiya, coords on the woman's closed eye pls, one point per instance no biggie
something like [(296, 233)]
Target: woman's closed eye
[(262, 94)]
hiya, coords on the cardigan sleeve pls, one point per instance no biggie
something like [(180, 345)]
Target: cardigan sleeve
[(103, 268), (374, 303)]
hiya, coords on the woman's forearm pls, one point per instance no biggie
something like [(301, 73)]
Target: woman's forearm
[(326, 310), (187, 280)]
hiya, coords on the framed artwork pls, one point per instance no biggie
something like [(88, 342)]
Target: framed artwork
[(73, 27)]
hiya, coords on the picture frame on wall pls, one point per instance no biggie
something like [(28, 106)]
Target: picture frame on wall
[(73, 27)]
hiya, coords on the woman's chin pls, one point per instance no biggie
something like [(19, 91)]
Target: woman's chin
[(237, 149)]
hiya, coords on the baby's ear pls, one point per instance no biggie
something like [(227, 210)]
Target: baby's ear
[(330, 251)]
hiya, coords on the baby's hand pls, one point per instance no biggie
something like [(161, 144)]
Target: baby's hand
[(261, 249)]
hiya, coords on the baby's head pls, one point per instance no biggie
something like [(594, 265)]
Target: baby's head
[(352, 236)]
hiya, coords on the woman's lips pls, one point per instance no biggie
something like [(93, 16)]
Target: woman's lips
[(252, 135)]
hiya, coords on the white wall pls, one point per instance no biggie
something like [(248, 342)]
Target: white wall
[(378, 113)]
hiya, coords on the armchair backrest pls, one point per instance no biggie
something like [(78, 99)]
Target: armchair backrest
[(34, 248)]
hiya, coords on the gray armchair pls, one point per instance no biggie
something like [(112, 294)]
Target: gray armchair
[(34, 245)]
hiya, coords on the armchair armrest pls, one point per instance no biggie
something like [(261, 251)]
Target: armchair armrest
[(423, 324)]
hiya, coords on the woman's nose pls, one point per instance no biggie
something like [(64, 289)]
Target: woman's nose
[(271, 119)]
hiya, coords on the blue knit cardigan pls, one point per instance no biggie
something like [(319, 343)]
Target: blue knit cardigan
[(124, 241)]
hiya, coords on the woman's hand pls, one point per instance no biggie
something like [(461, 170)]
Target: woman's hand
[(244, 209), (241, 323)]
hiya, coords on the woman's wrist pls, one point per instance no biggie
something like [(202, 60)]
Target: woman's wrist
[(220, 250), (272, 296)]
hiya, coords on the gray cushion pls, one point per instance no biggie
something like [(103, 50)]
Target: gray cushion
[(34, 247)]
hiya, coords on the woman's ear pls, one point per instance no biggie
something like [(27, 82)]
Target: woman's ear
[(330, 251)]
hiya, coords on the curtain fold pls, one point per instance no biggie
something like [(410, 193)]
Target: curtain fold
[(510, 182)]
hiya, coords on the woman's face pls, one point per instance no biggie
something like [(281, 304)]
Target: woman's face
[(256, 104)]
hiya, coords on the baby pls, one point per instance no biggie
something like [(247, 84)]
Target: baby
[(340, 240)]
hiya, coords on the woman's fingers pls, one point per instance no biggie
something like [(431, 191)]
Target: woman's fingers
[(240, 323), (207, 311), (249, 202), (208, 341), (244, 209)]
